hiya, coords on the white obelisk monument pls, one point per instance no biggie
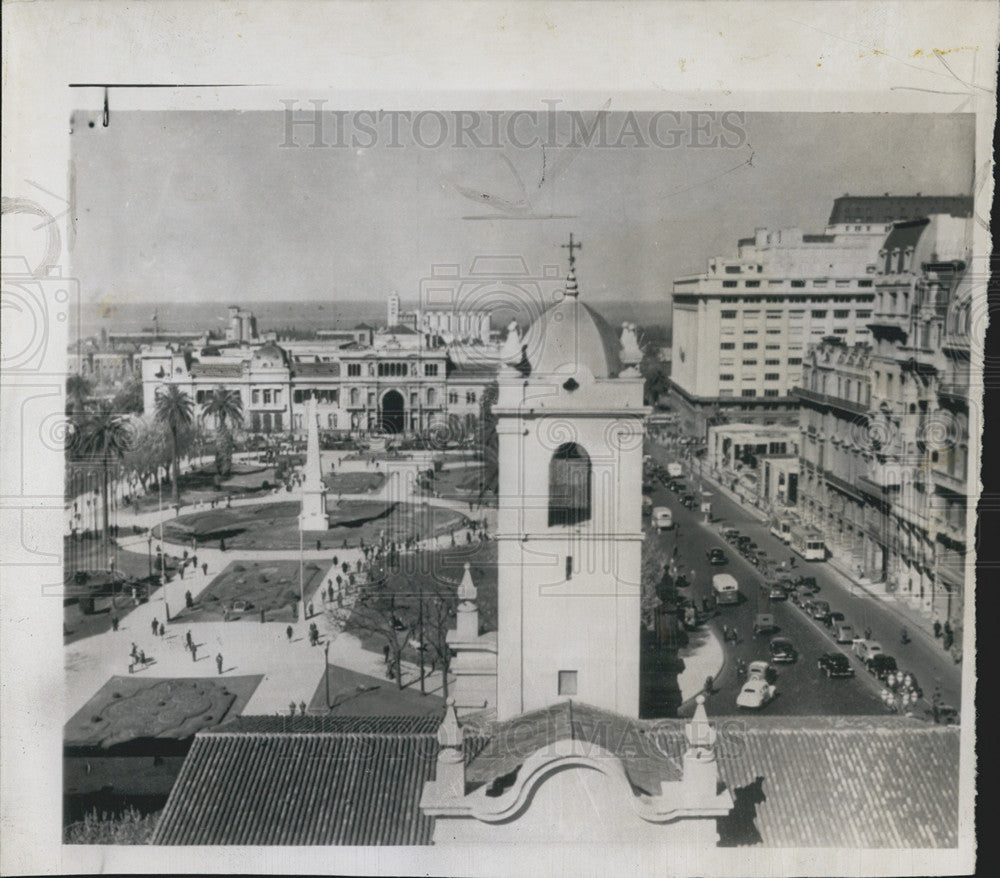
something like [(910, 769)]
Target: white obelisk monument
[(313, 516)]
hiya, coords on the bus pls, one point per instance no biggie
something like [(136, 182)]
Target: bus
[(808, 542), (725, 588), (783, 525)]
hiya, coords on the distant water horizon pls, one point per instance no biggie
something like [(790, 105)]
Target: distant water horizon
[(310, 314)]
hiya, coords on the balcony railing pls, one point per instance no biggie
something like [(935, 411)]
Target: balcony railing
[(843, 485), (846, 405)]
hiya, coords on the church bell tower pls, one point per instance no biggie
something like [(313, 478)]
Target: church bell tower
[(570, 434)]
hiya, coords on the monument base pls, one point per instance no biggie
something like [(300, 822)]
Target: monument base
[(314, 521)]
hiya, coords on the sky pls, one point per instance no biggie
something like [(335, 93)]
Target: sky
[(187, 207)]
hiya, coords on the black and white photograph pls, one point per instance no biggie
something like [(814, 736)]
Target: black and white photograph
[(418, 475)]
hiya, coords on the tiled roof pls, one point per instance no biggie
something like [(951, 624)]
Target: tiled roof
[(868, 782), (857, 782), (400, 329), (304, 788)]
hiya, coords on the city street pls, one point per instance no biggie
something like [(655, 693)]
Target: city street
[(802, 688)]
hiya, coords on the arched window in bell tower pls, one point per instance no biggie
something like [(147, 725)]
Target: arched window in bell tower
[(569, 485)]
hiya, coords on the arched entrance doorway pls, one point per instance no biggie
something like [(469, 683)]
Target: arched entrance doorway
[(392, 416)]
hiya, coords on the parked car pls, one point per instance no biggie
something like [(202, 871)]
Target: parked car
[(663, 518), (730, 534), (760, 670), (777, 593), (782, 650), (843, 632), (833, 618), (881, 665), (835, 664), (866, 649), (689, 501), (742, 541), (677, 487), (800, 596), (819, 610), (756, 693), (808, 582), (675, 470), (764, 623), (716, 557)]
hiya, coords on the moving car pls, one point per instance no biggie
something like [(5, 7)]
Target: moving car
[(663, 518), (807, 582), (730, 534), (677, 487), (777, 593), (689, 501), (843, 632), (866, 649), (756, 693), (742, 541), (764, 623), (782, 650), (716, 556), (881, 665), (675, 470), (835, 664)]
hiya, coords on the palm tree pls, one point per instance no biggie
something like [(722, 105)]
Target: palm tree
[(105, 436), (226, 406), (175, 409)]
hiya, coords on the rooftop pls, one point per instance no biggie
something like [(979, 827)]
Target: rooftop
[(890, 208)]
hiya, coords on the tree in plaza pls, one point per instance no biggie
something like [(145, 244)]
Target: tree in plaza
[(105, 436), (149, 451), (175, 409), (129, 398), (78, 393), (487, 438), (439, 601), (226, 406)]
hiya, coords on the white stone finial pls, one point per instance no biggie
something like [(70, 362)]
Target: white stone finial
[(449, 733), (699, 733), (467, 591)]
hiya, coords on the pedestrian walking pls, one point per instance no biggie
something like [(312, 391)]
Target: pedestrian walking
[(142, 657), (135, 652), (310, 609), (163, 629), (709, 683), (937, 628), (222, 544), (289, 631), (218, 662), (114, 623), (204, 568), (194, 652), (189, 640)]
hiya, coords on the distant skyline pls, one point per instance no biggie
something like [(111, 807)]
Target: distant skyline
[(188, 207)]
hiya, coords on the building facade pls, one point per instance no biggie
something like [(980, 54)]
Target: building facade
[(741, 329)]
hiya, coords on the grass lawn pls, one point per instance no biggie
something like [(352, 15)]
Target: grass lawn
[(276, 526), (198, 485), (127, 708), (354, 694), (462, 483), (354, 483), (271, 586)]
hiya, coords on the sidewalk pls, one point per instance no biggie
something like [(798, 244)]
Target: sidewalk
[(700, 662)]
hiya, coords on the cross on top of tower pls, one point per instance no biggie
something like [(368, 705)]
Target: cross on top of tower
[(571, 287)]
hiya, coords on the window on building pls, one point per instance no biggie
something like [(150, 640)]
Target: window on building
[(569, 485), (371, 400), (255, 397), (818, 313), (772, 347), (749, 362), (569, 567), (864, 283), (277, 397), (840, 330), (841, 313), (772, 376), (864, 315), (267, 397), (567, 682), (732, 269), (726, 376), (725, 393), (728, 315), (749, 345), (430, 369), (748, 393), (772, 362), (353, 370), (727, 346), (354, 396), (728, 284), (795, 361), (470, 397), (798, 284), (753, 284), (431, 396), (774, 332), (453, 397), (771, 393)]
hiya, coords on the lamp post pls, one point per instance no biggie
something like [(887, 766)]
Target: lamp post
[(302, 589), (149, 550), (326, 673)]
